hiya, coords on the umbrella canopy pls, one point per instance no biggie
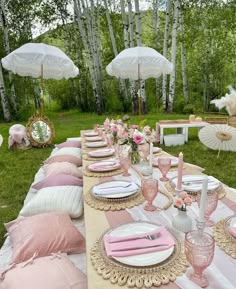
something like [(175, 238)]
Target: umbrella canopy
[(218, 137), (139, 63), (40, 60), (1, 139)]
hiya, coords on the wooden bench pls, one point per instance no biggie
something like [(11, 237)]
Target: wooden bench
[(216, 120)]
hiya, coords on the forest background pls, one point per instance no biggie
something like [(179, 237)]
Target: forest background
[(198, 37)]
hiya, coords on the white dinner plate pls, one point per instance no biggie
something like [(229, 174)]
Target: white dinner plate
[(193, 183), (233, 222), (91, 133), (115, 189), (104, 166), (96, 144), (147, 259), (101, 153), (174, 161), (93, 138)]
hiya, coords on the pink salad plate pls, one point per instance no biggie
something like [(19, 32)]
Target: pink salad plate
[(93, 138), (174, 161), (91, 133), (101, 153), (104, 166)]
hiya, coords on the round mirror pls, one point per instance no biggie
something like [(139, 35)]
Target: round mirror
[(40, 130)]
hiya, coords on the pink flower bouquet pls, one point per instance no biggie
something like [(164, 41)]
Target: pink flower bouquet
[(182, 202)]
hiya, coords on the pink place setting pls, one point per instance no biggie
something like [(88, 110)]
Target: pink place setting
[(104, 166), (96, 144), (93, 138), (101, 153), (91, 133), (139, 244)]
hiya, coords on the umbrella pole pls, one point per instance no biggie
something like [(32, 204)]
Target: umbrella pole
[(41, 98), (139, 96)]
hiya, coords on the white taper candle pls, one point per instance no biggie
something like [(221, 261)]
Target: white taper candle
[(203, 199)]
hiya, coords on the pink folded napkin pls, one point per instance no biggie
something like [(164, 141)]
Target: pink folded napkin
[(104, 166), (232, 231), (127, 247)]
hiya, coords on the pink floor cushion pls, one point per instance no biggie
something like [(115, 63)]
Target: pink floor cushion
[(58, 180), (62, 168), (69, 143), (44, 234), (51, 272), (64, 158)]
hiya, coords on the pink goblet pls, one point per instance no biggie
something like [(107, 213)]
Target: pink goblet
[(125, 163), (110, 140), (144, 151), (149, 190), (199, 250), (164, 165), (211, 204)]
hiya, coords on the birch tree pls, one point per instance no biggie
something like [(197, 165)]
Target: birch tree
[(122, 85), (131, 44), (6, 43), (139, 43), (183, 58), (173, 56), (165, 53), (85, 32), (4, 100)]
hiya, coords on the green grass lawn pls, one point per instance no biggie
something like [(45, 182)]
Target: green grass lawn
[(17, 168)]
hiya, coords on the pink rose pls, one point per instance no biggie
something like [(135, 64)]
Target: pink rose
[(114, 128), (183, 195), (179, 203), (134, 126), (188, 201), (137, 139)]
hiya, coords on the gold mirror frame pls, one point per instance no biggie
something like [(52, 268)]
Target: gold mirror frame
[(29, 127)]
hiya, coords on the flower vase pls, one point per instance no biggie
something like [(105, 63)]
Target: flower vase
[(134, 157), (182, 222)]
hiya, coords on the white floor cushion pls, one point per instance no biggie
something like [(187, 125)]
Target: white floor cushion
[(67, 199)]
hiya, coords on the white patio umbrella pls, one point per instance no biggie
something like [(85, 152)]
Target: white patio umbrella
[(218, 137), (40, 60), (138, 63)]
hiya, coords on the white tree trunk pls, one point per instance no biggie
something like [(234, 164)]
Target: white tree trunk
[(84, 37), (183, 59), (122, 85), (139, 43), (173, 56), (3, 22), (131, 44), (4, 101), (165, 53)]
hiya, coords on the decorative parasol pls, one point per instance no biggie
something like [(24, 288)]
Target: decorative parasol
[(218, 137), (138, 63)]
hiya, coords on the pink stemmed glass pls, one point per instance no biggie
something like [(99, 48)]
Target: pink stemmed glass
[(164, 165), (211, 204), (110, 140), (125, 163), (199, 249), (149, 191)]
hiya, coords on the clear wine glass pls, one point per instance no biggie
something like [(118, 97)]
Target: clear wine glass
[(164, 165), (211, 205), (125, 162), (144, 151), (149, 191), (199, 249)]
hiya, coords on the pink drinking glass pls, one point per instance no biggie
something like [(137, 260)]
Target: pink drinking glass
[(125, 163), (164, 165), (211, 204), (110, 140), (149, 190), (199, 249)]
